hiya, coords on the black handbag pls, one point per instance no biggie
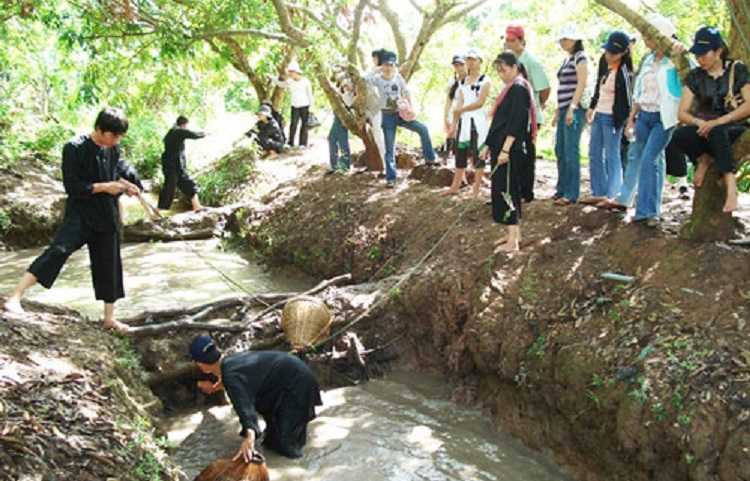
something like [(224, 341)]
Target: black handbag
[(312, 121)]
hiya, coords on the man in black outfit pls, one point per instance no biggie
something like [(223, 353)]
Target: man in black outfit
[(94, 176), (272, 383), (173, 165)]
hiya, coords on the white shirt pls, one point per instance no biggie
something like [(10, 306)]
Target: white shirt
[(300, 91)]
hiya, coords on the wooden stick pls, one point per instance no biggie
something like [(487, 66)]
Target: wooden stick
[(320, 287)]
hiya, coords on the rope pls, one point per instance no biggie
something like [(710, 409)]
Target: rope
[(405, 277)]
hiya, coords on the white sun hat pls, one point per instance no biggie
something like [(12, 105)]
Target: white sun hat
[(662, 24), (569, 31)]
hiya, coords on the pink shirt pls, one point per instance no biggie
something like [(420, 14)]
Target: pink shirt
[(607, 94)]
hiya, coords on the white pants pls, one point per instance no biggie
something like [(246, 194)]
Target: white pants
[(377, 132)]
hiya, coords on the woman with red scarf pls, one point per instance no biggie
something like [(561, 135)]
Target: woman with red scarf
[(513, 119)]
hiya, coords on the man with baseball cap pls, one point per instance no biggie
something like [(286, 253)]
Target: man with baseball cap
[(275, 384), (515, 41)]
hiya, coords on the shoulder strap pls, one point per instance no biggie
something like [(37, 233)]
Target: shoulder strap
[(730, 101)]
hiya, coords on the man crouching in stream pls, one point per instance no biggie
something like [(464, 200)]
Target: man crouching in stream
[(94, 176), (275, 384)]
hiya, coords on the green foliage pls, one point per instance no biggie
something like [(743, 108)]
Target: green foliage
[(538, 347), (5, 221), (231, 173)]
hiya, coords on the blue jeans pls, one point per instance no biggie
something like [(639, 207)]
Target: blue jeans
[(338, 140), (650, 134), (605, 165), (391, 121), (568, 152)]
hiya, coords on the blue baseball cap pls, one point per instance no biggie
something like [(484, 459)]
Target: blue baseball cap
[(389, 58), (706, 39), (203, 349), (617, 42)]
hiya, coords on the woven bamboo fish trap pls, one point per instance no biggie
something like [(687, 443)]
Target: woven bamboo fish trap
[(305, 320), (228, 470)]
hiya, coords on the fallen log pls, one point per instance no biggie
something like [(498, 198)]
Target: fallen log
[(150, 317), (186, 324)]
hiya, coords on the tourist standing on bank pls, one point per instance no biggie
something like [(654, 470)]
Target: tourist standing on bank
[(300, 90), (459, 73)]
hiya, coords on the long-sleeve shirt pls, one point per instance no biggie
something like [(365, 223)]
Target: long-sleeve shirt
[(174, 142), (300, 91), (85, 164), (511, 119), (259, 382)]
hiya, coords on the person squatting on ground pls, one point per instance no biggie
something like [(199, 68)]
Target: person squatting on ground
[(715, 107), (459, 74), (656, 99), (174, 165), (394, 101), (470, 124), (513, 121), (515, 41), (609, 110), (267, 132), (94, 176), (300, 90), (569, 116), (338, 136), (274, 384)]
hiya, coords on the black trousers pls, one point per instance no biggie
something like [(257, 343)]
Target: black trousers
[(104, 254), (270, 144), (286, 431), (528, 171), (299, 116), (718, 144), (507, 178), (175, 177), (676, 160)]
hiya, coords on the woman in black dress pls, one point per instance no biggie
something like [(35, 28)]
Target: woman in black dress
[(512, 122)]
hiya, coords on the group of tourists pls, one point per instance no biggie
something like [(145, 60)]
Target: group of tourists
[(699, 118)]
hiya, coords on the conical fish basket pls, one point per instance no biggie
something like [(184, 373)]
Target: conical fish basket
[(305, 321)]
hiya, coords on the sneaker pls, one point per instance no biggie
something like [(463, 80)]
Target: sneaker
[(653, 222), (390, 184), (330, 172)]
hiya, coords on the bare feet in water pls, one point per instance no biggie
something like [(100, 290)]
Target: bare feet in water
[(13, 306)]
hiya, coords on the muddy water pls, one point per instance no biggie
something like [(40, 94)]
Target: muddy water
[(397, 429), (157, 276)]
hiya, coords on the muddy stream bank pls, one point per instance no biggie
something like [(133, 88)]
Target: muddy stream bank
[(401, 427)]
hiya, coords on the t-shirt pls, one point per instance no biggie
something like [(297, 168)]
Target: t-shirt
[(607, 94), (300, 91), (390, 91), (568, 79), (710, 92), (537, 78)]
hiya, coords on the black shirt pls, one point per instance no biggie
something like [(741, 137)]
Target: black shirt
[(269, 130), (85, 164), (511, 119), (710, 92), (258, 382), (174, 142)]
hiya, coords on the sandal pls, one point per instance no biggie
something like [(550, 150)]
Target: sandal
[(562, 201)]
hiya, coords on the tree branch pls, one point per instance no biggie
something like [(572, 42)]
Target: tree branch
[(639, 22), (392, 18), (238, 59), (354, 41), (463, 12), (419, 7), (247, 32), (285, 21)]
